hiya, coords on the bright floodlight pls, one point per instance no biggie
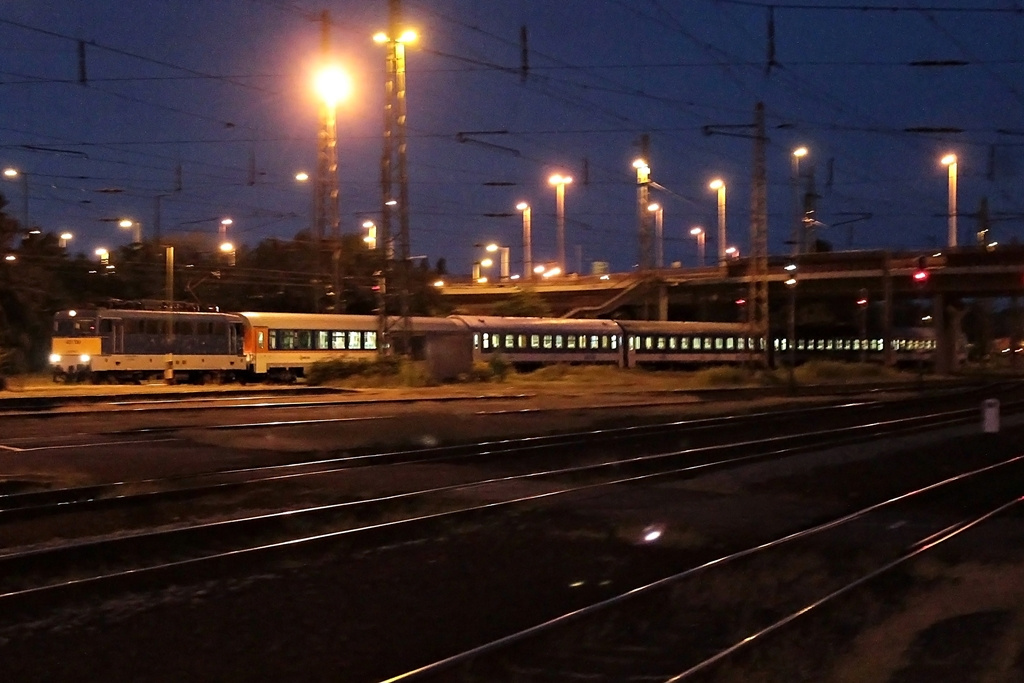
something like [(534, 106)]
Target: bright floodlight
[(948, 159), (492, 247), (227, 247), (716, 184), (487, 263), (226, 221), (522, 206), (800, 152), (639, 163), (125, 223), (559, 179), (66, 235), (302, 176), (696, 231), (333, 85), (654, 206)]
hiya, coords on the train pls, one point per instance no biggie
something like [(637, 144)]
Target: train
[(132, 345)]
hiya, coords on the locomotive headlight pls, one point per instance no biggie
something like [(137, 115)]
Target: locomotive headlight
[(54, 357), (84, 358)]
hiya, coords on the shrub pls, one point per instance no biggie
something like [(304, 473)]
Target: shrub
[(722, 375), (500, 366), (339, 368)]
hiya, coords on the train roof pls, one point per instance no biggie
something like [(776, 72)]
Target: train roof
[(494, 323), (143, 314), (688, 327), (336, 321)]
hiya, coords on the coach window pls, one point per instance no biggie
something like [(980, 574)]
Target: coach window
[(594, 343), (354, 341), (606, 341), (696, 343), (337, 340), (323, 340), (719, 343), (559, 341), (548, 342), (570, 342), (487, 341), (615, 341), (534, 341), (648, 343), (369, 340), (661, 343), (730, 343), (510, 341)]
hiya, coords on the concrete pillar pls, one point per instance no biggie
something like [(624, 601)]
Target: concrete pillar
[(662, 302)]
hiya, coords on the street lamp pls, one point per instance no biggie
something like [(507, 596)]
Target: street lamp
[(791, 331), (719, 184), (560, 181), (951, 161), (527, 239), (797, 237), (732, 252), (503, 255), (104, 256), (65, 237), (698, 232), (371, 234), (134, 226), (643, 194), (15, 173), (659, 236)]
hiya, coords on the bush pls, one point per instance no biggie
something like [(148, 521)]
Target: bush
[(338, 368), (722, 376), (500, 366)]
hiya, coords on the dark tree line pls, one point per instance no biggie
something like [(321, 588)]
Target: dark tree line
[(39, 277)]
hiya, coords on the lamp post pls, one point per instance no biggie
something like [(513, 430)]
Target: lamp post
[(15, 173), (503, 253), (371, 234), (719, 185), (135, 227), (333, 85), (560, 181), (797, 237), (659, 239), (527, 239), (791, 285), (643, 194), (732, 252), (951, 161), (65, 237), (698, 232), (103, 255)]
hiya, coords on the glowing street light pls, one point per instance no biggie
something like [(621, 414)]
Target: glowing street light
[(371, 234), (332, 85), (103, 255), (659, 233), (797, 238), (13, 173), (503, 253), (719, 185), (527, 238), (698, 232), (134, 226), (560, 181), (65, 237), (950, 160)]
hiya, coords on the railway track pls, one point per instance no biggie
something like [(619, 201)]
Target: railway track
[(170, 545), (402, 529), (637, 635), (543, 450)]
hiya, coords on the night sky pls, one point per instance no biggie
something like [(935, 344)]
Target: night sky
[(878, 92)]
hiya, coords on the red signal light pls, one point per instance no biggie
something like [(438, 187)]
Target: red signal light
[(920, 275), (862, 302)]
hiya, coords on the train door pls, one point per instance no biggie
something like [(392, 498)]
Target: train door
[(111, 332), (256, 346)]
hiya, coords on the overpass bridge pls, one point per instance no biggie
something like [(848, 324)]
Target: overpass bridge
[(836, 280)]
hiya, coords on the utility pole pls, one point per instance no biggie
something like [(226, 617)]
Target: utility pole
[(758, 307), (326, 216), (643, 199), (394, 158)]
